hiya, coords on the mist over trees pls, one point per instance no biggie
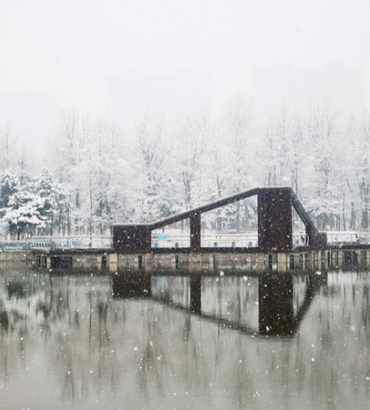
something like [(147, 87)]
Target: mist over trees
[(91, 173)]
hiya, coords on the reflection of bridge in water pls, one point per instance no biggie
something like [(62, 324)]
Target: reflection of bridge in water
[(265, 304)]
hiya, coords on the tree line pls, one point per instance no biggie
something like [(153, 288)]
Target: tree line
[(94, 174)]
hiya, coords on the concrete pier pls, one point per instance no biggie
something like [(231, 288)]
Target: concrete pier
[(192, 262), (229, 262)]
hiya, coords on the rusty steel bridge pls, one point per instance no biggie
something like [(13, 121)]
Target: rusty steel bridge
[(275, 230), (135, 246)]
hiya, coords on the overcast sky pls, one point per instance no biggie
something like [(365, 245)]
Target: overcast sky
[(59, 54)]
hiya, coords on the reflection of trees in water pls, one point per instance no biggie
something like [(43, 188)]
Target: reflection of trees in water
[(4, 318), (53, 321), (171, 289), (336, 341), (234, 299), (76, 314), (16, 339), (98, 345)]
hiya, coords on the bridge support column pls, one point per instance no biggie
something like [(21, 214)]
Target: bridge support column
[(282, 262), (340, 257), (317, 260), (99, 262), (113, 262), (275, 220), (304, 260), (195, 232), (260, 262), (324, 259), (148, 262), (195, 262), (362, 257)]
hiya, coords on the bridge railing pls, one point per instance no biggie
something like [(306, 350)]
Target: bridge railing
[(173, 240), (364, 238), (224, 240), (71, 242), (343, 237), (9, 246)]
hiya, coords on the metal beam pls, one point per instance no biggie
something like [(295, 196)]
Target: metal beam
[(205, 208)]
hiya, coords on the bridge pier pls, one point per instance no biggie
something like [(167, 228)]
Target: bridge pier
[(195, 262), (282, 262), (113, 262), (181, 262), (195, 232), (366, 258), (275, 220)]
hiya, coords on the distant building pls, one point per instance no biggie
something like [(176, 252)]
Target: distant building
[(168, 96), (296, 87)]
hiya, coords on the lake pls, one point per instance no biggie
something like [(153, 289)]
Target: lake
[(269, 341)]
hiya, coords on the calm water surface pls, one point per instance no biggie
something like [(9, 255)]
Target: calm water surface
[(231, 342)]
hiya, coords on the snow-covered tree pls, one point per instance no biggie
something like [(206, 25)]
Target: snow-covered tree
[(24, 215), (359, 133), (151, 151), (8, 186), (322, 186), (8, 148), (54, 209), (240, 136), (110, 176), (38, 206), (278, 133)]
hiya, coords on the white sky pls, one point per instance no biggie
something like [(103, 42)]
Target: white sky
[(59, 53)]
